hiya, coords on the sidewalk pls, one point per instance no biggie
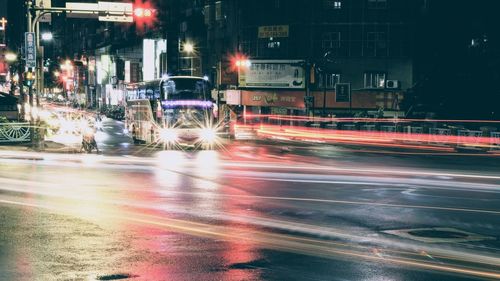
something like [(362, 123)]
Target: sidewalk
[(49, 146)]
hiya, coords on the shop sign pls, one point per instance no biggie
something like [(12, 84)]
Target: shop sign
[(233, 97), (282, 99), (29, 46)]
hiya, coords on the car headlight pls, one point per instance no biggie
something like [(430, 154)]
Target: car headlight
[(208, 135), (168, 135)]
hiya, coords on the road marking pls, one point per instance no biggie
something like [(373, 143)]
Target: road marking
[(282, 166), (312, 247)]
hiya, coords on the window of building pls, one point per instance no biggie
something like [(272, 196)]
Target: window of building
[(331, 80), (374, 80), (273, 44), (375, 44), (218, 10), (377, 4), (330, 40), (206, 12), (332, 4)]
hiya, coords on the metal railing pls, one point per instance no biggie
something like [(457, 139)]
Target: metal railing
[(15, 132)]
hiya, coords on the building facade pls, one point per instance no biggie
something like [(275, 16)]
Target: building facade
[(364, 45), (293, 57)]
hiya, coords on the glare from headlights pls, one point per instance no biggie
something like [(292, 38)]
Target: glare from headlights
[(168, 135), (98, 125), (208, 135)]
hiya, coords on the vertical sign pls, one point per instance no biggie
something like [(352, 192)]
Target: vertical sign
[(342, 92), (127, 71), (29, 45), (227, 75), (3, 24)]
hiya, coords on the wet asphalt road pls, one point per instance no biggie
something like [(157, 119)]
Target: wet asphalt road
[(250, 211)]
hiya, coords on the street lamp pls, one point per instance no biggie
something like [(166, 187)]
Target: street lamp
[(10, 57), (188, 47), (47, 36)]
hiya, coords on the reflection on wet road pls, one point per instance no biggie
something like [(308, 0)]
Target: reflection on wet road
[(244, 213)]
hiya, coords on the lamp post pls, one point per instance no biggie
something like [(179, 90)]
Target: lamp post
[(46, 37), (327, 58), (10, 57)]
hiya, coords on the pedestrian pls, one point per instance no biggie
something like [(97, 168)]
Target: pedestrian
[(88, 140)]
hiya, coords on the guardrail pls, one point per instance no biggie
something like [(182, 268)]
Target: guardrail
[(15, 132), (495, 140)]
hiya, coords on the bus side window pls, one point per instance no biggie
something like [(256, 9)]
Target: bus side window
[(150, 94)]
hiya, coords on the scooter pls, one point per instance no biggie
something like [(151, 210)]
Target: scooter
[(89, 143)]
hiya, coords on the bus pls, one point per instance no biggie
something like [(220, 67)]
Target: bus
[(174, 111)]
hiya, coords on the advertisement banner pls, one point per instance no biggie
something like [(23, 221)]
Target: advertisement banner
[(272, 74), (227, 75)]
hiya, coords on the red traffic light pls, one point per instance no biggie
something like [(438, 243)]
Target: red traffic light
[(242, 63), (143, 12), (139, 12)]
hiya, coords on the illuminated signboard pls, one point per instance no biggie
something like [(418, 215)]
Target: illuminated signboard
[(272, 74), (273, 31)]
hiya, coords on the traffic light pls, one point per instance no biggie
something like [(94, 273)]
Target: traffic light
[(243, 63), (144, 13), (240, 62), (29, 78)]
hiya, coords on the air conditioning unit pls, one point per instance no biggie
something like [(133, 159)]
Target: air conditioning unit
[(392, 84)]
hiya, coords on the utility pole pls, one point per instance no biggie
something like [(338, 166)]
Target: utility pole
[(29, 4)]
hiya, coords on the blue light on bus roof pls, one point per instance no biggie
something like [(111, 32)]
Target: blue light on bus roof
[(198, 103)]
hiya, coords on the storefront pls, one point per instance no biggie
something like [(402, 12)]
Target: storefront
[(273, 102)]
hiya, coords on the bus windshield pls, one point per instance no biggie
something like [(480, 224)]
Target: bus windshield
[(185, 89), (186, 117)]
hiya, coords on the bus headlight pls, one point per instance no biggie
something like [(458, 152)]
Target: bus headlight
[(168, 135), (208, 135)]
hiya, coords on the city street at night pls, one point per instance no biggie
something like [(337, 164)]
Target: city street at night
[(235, 140)]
